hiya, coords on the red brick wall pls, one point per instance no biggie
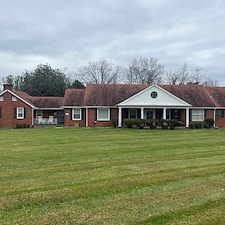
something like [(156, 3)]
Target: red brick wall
[(209, 113), (92, 118), (7, 106), (68, 122)]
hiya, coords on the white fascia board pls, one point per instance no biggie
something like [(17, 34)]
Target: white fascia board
[(154, 85), (12, 93), (70, 107), (88, 107), (48, 108)]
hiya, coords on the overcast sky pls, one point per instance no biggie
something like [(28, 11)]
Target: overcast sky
[(70, 33)]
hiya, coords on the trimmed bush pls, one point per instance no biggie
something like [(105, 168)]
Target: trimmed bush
[(209, 122), (152, 123), (164, 124), (114, 122), (129, 122), (22, 126)]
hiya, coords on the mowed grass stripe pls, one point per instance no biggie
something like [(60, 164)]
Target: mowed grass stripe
[(109, 176)]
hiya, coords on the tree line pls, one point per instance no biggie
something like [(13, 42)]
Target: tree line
[(47, 81)]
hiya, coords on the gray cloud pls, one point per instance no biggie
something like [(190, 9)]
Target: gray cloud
[(69, 33)]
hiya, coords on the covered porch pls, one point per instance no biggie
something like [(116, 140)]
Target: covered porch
[(48, 117), (180, 114)]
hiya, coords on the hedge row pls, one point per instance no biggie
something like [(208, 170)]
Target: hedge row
[(208, 123), (152, 123)]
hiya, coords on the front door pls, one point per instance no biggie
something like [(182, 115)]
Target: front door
[(150, 114), (60, 117)]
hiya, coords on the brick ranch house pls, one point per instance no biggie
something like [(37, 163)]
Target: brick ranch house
[(104, 102)]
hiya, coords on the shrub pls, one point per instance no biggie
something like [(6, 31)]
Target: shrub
[(164, 124), (114, 122), (173, 123), (198, 125), (22, 126), (152, 123), (129, 122), (209, 122), (140, 123)]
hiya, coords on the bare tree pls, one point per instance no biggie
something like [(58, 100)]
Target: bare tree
[(100, 72), (208, 82), (196, 76), (184, 75), (145, 71)]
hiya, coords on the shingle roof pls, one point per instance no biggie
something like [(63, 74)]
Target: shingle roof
[(74, 97), (196, 95), (110, 94), (113, 94), (47, 102)]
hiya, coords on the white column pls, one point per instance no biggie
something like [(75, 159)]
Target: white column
[(187, 117), (164, 113), (214, 118), (120, 117), (86, 117), (142, 113)]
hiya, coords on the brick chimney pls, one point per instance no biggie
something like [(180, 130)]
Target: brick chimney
[(7, 87)]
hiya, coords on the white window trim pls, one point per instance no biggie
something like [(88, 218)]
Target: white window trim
[(203, 115), (135, 113), (74, 113), (1, 98), (103, 119), (17, 113)]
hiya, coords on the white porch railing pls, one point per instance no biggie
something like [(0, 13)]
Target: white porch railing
[(49, 120)]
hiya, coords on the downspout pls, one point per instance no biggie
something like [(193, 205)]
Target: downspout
[(86, 117)]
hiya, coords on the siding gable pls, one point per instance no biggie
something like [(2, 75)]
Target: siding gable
[(146, 98)]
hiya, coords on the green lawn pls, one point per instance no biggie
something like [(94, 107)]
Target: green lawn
[(112, 176)]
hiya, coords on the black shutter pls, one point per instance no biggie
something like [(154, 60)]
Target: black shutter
[(138, 113), (15, 112), (222, 113), (110, 114), (82, 114), (190, 115), (24, 113), (96, 114), (71, 114), (205, 113), (0, 112)]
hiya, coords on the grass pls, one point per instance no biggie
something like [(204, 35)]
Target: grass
[(112, 176)]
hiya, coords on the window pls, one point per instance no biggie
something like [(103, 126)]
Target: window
[(103, 114), (1, 99), (197, 115), (39, 114), (133, 113), (20, 113), (219, 113), (154, 94), (76, 114)]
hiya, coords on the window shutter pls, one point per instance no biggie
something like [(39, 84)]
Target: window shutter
[(138, 113), (222, 113), (205, 113), (71, 114), (82, 114), (0, 112), (110, 114), (190, 115), (96, 114), (24, 113), (15, 112)]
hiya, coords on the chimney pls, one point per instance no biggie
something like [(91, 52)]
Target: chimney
[(8, 87)]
